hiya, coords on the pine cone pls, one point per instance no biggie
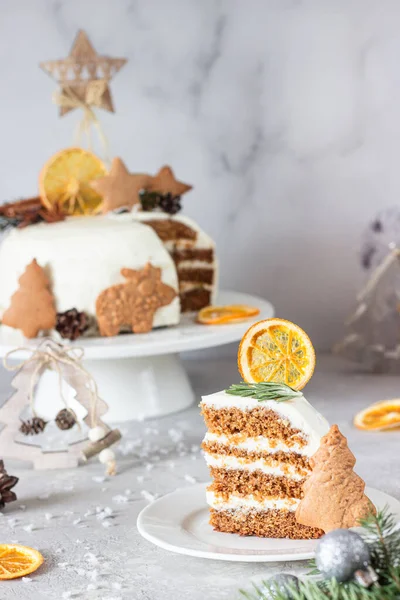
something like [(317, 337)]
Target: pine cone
[(65, 419), (170, 204), (6, 483), (71, 324), (33, 426), (149, 201)]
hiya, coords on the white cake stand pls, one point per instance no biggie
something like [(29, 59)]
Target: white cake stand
[(141, 375)]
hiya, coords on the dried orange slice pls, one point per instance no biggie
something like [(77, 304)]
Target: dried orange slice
[(276, 350), (220, 315), (18, 561), (64, 181), (381, 415)]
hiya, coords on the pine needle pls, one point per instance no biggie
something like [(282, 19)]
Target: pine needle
[(382, 535)]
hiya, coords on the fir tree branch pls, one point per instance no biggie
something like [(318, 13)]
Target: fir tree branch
[(381, 534)]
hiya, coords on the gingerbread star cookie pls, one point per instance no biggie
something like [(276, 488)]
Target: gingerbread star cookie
[(165, 183), (120, 188)]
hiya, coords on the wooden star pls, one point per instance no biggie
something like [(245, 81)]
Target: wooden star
[(120, 188), (85, 74), (165, 183)]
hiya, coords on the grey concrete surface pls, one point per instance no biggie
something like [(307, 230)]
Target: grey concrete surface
[(85, 524)]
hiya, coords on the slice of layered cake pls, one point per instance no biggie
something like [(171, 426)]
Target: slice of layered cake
[(258, 454), (261, 436)]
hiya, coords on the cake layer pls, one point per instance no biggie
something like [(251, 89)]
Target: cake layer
[(259, 421), (256, 483), (169, 229), (205, 255), (221, 501), (270, 523), (288, 462), (196, 274), (195, 299)]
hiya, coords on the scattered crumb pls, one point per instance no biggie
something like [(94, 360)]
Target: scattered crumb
[(116, 586), (91, 558), (120, 499), (190, 479), (140, 478), (48, 516), (29, 527), (148, 495), (99, 479), (26, 579)]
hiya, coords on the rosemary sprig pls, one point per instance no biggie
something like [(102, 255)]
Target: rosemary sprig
[(265, 390)]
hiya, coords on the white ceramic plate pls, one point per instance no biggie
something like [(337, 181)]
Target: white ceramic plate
[(188, 335), (179, 522)]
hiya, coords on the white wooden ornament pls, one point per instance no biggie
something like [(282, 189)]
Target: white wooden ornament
[(11, 410)]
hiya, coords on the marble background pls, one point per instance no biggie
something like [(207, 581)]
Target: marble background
[(285, 114)]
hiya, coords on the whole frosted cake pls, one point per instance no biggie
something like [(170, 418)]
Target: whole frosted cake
[(111, 251)]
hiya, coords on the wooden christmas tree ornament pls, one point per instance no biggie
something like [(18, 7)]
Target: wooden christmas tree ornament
[(66, 362), (333, 494), (32, 306)]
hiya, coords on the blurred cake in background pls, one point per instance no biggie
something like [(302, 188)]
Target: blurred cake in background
[(109, 242)]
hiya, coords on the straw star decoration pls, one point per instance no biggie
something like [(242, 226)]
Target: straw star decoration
[(83, 76), (120, 188)]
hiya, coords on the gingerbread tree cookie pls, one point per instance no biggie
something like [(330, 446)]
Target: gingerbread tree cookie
[(134, 302), (32, 306), (333, 494)]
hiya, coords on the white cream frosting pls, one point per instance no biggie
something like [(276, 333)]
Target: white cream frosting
[(256, 444), (224, 461), (297, 413), (246, 503), (83, 256)]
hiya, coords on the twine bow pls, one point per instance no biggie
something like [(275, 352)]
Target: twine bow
[(67, 98), (55, 357)]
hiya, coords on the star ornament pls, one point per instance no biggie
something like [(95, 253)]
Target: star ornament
[(120, 188), (84, 76), (165, 183)]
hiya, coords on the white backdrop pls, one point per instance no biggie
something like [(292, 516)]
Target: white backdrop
[(284, 114)]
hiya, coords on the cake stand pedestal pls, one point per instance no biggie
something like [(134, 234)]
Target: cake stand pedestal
[(141, 375)]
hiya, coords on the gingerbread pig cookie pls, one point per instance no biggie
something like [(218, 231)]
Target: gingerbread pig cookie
[(134, 302)]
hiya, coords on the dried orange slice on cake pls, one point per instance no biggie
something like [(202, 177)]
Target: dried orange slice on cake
[(219, 315), (276, 350), (381, 415), (64, 181), (18, 561)]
